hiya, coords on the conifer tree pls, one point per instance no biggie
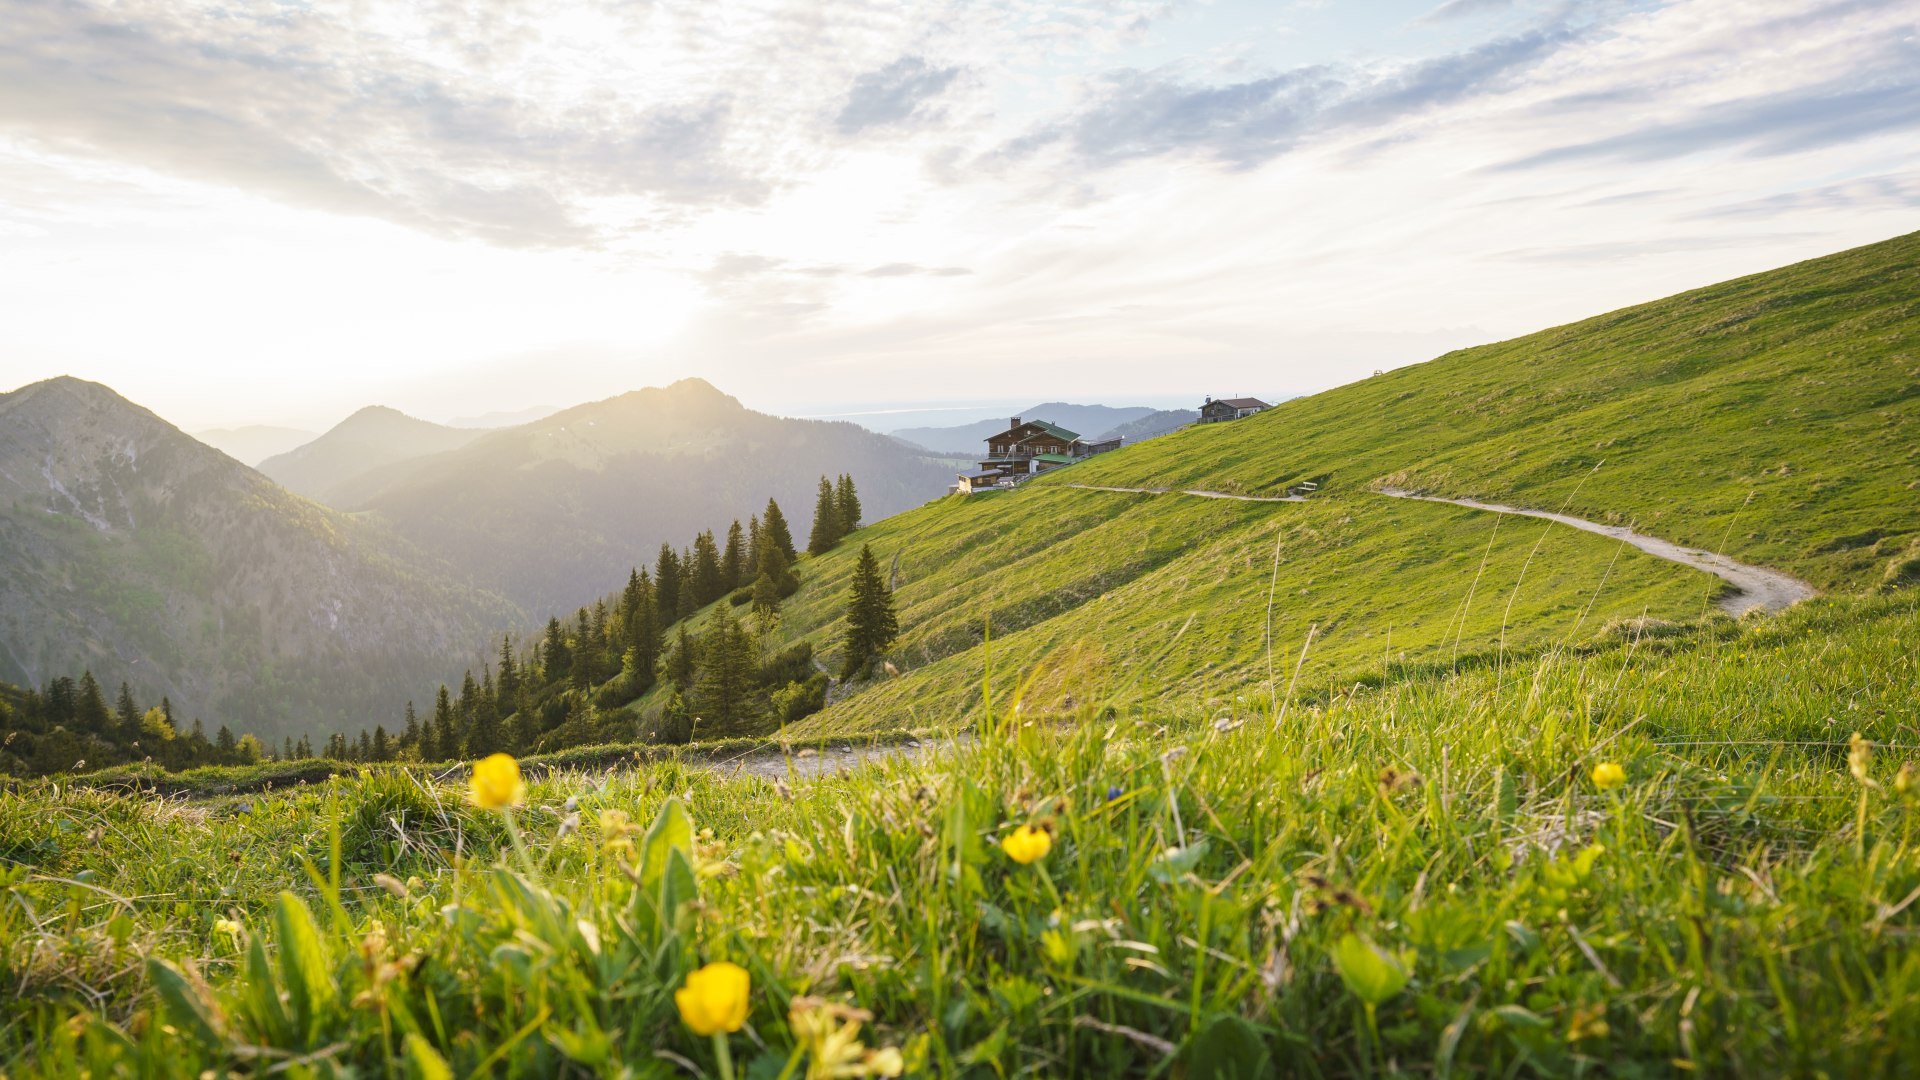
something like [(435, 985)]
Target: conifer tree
[(128, 713), (286, 749), (223, 743), (708, 585), (382, 750), (364, 751), (723, 697), (751, 569), (643, 635), (775, 533), (90, 707), (826, 521), (584, 653), (411, 737), (871, 623), (508, 685), (846, 505), (483, 735), (733, 559), (446, 737), (682, 661), (666, 583), (555, 660)]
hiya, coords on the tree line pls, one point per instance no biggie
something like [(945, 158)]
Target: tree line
[(566, 686)]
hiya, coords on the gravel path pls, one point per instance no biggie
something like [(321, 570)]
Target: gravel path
[(1758, 588)]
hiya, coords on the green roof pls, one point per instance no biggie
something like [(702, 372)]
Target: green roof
[(1055, 430), (1057, 459)]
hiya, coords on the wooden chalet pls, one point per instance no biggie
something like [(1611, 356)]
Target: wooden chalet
[(1217, 410), (1028, 448)]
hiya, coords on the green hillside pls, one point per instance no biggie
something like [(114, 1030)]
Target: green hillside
[(1773, 417)]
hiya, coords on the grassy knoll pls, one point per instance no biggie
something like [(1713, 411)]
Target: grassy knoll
[(1414, 878), (1776, 416)]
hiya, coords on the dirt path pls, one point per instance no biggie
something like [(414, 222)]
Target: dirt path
[(1758, 587), (1195, 493)]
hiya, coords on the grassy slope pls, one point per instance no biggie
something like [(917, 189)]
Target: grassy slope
[(1788, 399), (1742, 919)]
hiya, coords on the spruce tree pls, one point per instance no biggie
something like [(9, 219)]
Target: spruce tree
[(682, 661), (754, 541), (507, 687), (411, 737), (708, 585), (826, 521), (128, 713), (483, 735), (90, 707), (446, 737), (555, 660), (382, 750), (733, 559), (871, 623), (643, 635), (723, 697), (775, 533), (846, 505), (666, 583)]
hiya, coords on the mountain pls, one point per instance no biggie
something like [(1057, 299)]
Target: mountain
[(129, 548), (254, 443), (498, 419), (1084, 420), (371, 439), (1150, 425), (553, 513), (1774, 418)]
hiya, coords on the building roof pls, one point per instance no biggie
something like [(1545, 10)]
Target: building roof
[(1055, 459), (1242, 402), (1046, 428)]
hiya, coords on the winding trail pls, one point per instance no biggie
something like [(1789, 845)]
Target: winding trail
[(1758, 588)]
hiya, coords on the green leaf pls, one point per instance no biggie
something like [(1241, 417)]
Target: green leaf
[(1372, 973), (1228, 1048), (424, 1062), (672, 830), (304, 966), (185, 1005), (1175, 863)]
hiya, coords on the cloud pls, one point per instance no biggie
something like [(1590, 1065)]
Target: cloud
[(1460, 9), (1135, 114), (1869, 193), (892, 95)]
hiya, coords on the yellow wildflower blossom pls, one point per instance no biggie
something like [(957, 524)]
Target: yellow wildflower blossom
[(714, 1000), (496, 783), (1026, 844)]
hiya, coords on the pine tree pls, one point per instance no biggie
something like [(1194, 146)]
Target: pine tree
[(483, 735), (584, 665), (846, 505), (682, 661), (708, 584), (774, 532), (364, 751), (724, 694), (871, 623), (666, 583), (382, 750), (286, 749), (826, 521), (733, 559), (508, 685), (90, 707), (223, 743), (127, 713), (754, 541), (643, 634), (411, 736), (304, 749), (446, 737), (555, 660)]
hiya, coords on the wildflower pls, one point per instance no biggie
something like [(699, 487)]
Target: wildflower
[(1026, 844), (392, 884), (831, 1034), (1608, 775), (714, 1000), (1860, 760), (496, 783), (1907, 780), (228, 927), (1114, 793)]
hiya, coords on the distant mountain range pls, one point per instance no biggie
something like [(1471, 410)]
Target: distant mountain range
[(1149, 426), (327, 468), (1092, 422), (499, 419), (553, 513), (129, 548), (254, 443)]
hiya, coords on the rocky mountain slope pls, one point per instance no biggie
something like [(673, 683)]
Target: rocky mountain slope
[(129, 548)]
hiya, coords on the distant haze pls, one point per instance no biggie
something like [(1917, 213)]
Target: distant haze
[(291, 211)]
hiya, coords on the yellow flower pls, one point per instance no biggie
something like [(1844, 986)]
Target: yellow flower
[(1860, 760), (886, 1061), (496, 783), (227, 927), (1608, 775), (1026, 843), (714, 999)]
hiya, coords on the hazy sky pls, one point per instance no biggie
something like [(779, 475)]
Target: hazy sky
[(279, 212)]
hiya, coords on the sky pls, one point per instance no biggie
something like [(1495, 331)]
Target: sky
[(280, 212)]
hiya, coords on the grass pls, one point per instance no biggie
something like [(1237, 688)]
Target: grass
[(1414, 878), (1773, 417)]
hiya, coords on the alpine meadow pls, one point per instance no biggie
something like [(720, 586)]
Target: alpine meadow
[(555, 570)]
